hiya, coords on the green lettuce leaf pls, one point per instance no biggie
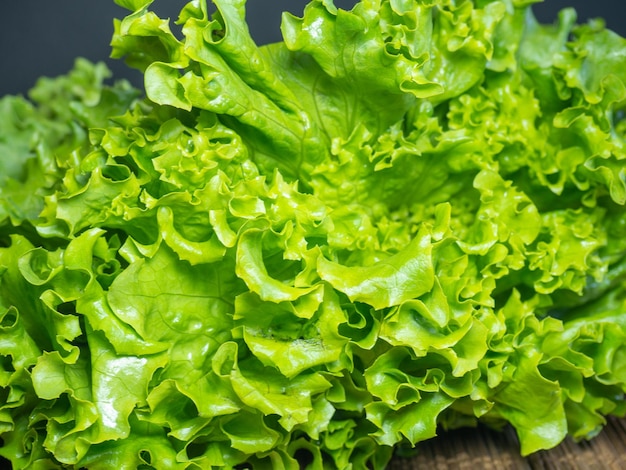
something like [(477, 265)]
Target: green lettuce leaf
[(406, 217)]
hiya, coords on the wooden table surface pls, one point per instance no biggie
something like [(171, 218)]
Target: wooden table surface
[(484, 449)]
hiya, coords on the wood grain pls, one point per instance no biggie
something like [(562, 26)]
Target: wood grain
[(483, 449)]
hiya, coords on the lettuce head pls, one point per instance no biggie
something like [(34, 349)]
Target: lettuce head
[(403, 218)]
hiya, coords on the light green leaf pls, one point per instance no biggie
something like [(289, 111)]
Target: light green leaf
[(403, 276)]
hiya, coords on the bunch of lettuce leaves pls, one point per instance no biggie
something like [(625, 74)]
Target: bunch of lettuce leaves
[(405, 217)]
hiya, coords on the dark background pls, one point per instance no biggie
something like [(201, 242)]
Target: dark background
[(42, 37)]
